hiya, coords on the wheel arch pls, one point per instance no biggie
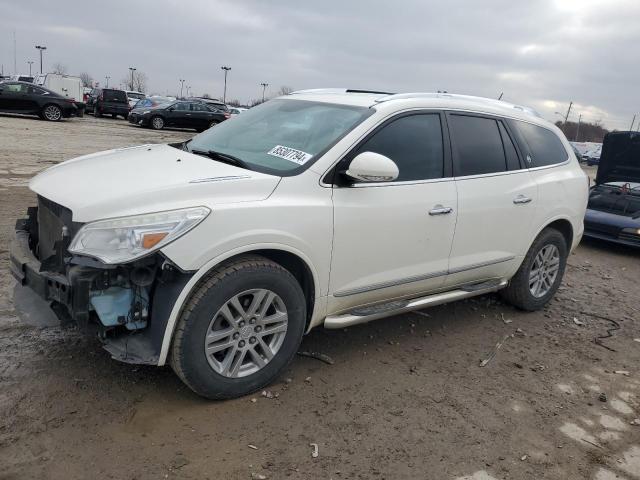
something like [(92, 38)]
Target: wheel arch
[(564, 226), (294, 261)]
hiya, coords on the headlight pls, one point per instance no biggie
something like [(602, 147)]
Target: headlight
[(146, 111), (120, 240), (633, 231)]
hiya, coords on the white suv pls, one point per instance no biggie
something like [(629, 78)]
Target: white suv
[(323, 207)]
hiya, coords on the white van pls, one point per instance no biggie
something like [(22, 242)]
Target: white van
[(66, 85)]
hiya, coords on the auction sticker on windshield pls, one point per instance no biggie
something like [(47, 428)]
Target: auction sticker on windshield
[(291, 154)]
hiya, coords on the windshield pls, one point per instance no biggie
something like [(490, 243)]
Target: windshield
[(281, 136)]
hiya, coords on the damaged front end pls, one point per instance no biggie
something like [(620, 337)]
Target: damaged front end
[(127, 304)]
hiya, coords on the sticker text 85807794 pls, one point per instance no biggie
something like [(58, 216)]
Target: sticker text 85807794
[(291, 154)]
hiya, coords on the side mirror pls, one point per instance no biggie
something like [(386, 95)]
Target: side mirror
[(372, 167), (170, 109)]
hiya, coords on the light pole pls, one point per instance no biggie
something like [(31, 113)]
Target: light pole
[(107, 77), (578, 129), (264, 87), (133, 69), (30, 63), (41, 48), (181, 86), (224, 95)]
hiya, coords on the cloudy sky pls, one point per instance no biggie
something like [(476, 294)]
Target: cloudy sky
[(541, 53)]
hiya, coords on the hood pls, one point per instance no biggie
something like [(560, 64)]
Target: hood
[(148, 178), (620, 158)]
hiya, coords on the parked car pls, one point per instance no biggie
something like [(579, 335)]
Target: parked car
[(105, 101), (592, 157), (21, 78), (64, 85), (134, 97), (27, 98), (236, 110), (331, 208), (150, 102), (181, 114), (613, 212)]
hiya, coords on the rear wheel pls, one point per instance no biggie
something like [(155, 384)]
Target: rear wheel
[(541, 272), (157, 123), (240, 328), (213, 124), (51, 112)]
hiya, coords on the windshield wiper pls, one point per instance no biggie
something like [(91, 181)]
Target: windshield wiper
[(222, 157)]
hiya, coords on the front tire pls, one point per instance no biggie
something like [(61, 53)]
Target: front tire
[(52, 113), (157, 123), (240, 328), (541, 272)]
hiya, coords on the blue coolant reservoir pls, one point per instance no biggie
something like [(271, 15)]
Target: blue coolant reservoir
[(114, 304)]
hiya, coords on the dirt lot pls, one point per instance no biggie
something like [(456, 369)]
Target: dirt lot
[(405, 399)]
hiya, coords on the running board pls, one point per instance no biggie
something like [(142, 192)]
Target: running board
[(374, 312)]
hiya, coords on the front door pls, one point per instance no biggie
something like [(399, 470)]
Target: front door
[(392, 240), (497, 199)]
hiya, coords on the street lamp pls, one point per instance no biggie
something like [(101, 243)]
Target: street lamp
[(264, 87), (133, 69), (181, 80), (107, 77), (30, 63), (226, 70), (41, 48)]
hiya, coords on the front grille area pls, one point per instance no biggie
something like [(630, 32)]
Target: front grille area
[(52, 217)]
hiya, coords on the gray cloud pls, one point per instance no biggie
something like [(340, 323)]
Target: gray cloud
[(541, 53)]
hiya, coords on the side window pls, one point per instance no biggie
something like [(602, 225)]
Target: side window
[(414, 143), (198, 107), (545, 148), (181, 107), (477, 146), (15, 88), (513, 163)]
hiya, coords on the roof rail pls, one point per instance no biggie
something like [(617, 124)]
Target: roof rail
[(340, 90), (467, 98)]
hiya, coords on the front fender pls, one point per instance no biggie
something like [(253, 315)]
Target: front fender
[(184, 294)]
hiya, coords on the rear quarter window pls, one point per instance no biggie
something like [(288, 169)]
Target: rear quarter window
[(544, 146)]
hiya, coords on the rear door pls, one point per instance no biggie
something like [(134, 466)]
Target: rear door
[(201, 116), (392, 240), (497, 199)]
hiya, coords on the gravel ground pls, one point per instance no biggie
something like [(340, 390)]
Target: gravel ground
[(405, 399)]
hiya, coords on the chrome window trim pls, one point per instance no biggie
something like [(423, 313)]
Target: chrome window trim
[(418, 278)]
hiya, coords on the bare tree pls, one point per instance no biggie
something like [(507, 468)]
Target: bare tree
[(137, 81), (86, 79), (59, 68), (285, 90)]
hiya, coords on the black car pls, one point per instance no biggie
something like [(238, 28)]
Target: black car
[(181, 113), (108, 101), (613, 212), (24, 97)]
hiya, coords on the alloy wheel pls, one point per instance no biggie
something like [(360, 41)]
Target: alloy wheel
[(53, 113), (246, 333), (158, 123), (544, 270)]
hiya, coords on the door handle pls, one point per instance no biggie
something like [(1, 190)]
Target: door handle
[(521, 199), (440, 210)]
